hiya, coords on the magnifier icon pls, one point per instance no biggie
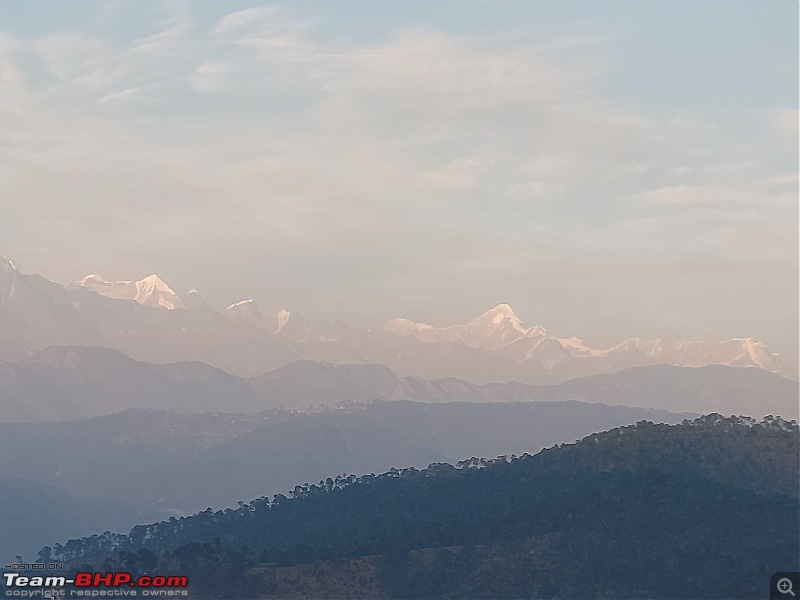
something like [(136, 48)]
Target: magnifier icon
[(784, 586)]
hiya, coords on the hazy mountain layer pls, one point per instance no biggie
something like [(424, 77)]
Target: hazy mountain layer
[(78, 381), (185, 463), (32, 512)]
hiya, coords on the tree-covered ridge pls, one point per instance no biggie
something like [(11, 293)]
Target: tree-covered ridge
[(675, 507)]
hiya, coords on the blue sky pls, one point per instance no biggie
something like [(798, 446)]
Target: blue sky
[(611, 169)]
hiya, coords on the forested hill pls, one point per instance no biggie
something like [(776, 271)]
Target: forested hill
[(705, 509)]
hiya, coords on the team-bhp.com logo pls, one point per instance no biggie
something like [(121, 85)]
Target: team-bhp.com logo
[(95, 585)]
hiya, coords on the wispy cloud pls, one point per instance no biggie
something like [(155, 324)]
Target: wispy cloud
[(211, 76), (326, 165)]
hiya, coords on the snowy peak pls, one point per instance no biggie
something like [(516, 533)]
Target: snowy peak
[(282, 318), (501, 331), (740, 352), (245, 310), (150, 291), (9, 279), (292, 325), (577, 347), (549, 352), (496, 328), (6, 266), (494, 346), (753, 349), (155, 282), (195, 300), (406, 327), (496, 315)]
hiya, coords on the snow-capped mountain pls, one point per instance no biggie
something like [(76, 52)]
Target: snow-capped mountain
[(147, 320), (150, 291), (491, 330), (194, 300), (36, 313), (557, 359), (6, 265), (245, 310), (733, 352), (8, 274)]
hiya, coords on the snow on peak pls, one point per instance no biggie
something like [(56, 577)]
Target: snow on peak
[(156, 282), (6, 266), (8, 274), (577, 347), (406, 327), (245, 310), (243, 304), (535, 331), (755, 351), (150, 291), (734, 352), (283, 317), (491, 330), (497, 314), (501, 322), (749, 343), (194, 299)]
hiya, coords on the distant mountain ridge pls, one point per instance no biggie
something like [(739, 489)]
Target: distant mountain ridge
[(149, 321), (72, 382)]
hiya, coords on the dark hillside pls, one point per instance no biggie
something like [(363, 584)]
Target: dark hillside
[(705, 509)]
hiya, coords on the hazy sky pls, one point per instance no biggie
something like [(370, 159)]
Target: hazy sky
[(609, 169)]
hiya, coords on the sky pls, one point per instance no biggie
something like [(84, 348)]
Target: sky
[(611, 170)]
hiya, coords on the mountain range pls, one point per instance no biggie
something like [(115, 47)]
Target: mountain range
[(150, 322), (72, 382), (126, 402)]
